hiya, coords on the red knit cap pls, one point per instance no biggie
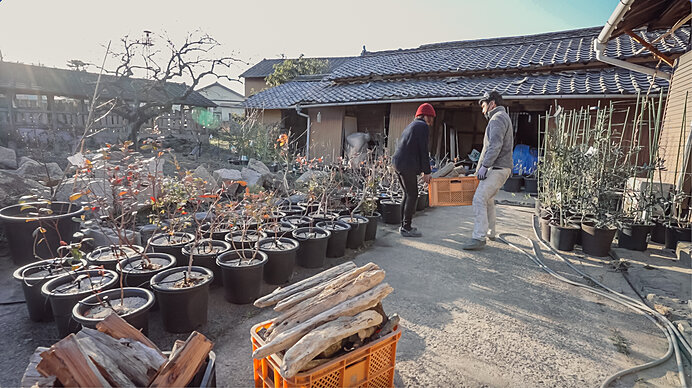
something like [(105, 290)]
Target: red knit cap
[(425, 110)]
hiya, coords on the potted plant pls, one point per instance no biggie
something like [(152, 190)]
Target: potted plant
[(336, 244), (130, 303)]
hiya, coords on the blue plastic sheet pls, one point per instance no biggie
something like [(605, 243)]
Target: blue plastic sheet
[(525, 159)]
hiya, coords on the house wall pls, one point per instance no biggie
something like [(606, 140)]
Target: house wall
[(254, 85), (266, 116), (400, 115), (675, 137), (326, 136)]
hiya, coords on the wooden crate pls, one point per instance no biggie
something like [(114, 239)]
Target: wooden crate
[(457, 191)]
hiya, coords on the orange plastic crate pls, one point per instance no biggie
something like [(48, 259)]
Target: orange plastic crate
[(456, 191), (369, 366)]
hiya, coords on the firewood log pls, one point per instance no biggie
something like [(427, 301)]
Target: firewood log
[(67, 361), (337, 282), (182, 367), (327, 299), (321, 337), (283, 292), (125, 362), (349, 307), (116, 327)]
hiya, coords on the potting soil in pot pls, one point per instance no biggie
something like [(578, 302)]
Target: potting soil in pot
[(176, 280), (110, 256), (119, 306), (142, 266), (83, 283)]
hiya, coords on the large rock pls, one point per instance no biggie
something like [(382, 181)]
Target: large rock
[(25, 159), (12, 187), (8, 158), (254, 164), (252, 177), (34, 170), (202, 173), (227, 174)]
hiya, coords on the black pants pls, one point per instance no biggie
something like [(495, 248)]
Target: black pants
[(409, 183)]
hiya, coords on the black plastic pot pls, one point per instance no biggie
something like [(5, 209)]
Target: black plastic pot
[(278, 229), (34, 275), (65, 291), (563, 238), (675, 234), (247, 240), (356, 236), (136, 271), (204, 256), (172, 244), (276, 216), (530, 185), (336, 246), (371, 229), (320, 216), (513, 184), (182, 308), (422, 201), (313, 246), (95, 308), (219, 232), (391, 212), (576, 222), (242, 278), (658, 232), (633, 236), (544, 224), (299, 221), (596, 241), (110, 256), (20, 226), (293, 210), (309, 207), (281, 258), (381, 197)]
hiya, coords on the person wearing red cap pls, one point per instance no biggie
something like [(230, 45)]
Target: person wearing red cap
[(410, 160)]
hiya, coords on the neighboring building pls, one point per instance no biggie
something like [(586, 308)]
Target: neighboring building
[(255, 76), (228, 101), (45, 100), (378, 92)]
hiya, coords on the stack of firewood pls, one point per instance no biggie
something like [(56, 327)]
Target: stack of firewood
[(116, 355), (324, 315)]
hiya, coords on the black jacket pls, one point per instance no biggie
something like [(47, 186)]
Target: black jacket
[(411, 155)]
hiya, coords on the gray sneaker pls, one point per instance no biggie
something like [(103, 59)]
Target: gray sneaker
[(473, 245), (413, 232)]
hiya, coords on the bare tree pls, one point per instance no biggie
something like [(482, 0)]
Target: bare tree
[(150, 78)]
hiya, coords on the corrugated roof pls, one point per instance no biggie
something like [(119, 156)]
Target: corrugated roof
[(512, 53), (266, 66), (80, 84), (610, 81)]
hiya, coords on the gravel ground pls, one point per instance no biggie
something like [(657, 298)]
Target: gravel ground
[(479, 319)]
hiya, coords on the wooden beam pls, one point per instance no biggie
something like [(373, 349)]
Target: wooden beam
[(650, 47)]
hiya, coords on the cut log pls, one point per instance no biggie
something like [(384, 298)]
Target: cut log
[(179, 370), (328, 298), (121, 360), (116, 327), (349, 307), (315, 363), (32, 377), (67, 361), (283, 292), (321, 337), (339, 281), (176, 346), (388, 326), (332, 349)]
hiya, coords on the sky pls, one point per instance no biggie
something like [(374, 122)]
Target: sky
[(51, 32)]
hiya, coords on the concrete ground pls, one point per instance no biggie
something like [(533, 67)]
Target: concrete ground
[(479, 319)]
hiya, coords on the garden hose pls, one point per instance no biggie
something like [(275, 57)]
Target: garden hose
[(671, 333)]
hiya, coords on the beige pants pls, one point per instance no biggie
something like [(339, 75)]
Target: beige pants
[(484, 202)]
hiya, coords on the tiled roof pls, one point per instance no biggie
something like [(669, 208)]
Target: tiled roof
[(266, 66), (282, 96), (519, 53), (71, 83), (610, 81)]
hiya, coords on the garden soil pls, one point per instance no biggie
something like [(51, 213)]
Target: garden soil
[(490, 318)]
